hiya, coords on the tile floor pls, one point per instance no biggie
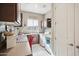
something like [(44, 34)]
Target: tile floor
[(38, 50)]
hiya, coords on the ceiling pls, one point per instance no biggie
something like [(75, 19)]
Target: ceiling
[(40, 8)]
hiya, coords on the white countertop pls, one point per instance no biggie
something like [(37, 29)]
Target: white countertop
[(21, 49)]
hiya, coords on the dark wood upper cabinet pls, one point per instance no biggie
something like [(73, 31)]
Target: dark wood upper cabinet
[(8, 12)]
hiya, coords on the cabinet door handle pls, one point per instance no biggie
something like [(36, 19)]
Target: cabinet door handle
[(77, 47), (71, 44), (55, 38), (55, 23)]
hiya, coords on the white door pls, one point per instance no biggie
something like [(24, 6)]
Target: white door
[(61, 29), (54, 29), (70, 29), (77, 29)]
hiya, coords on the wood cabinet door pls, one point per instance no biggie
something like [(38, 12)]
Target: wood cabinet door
[(8, 12), (77, 29), (61, 29), (70, 29)]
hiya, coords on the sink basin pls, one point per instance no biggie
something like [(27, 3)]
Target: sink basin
[(8, 33)]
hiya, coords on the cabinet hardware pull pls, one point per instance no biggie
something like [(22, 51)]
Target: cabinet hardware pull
[(71, 44), (77, 47)]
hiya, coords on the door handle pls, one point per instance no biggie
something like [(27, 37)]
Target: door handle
[(77, 47), (71, 44)]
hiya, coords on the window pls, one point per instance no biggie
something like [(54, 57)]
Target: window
[(32, 23)]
